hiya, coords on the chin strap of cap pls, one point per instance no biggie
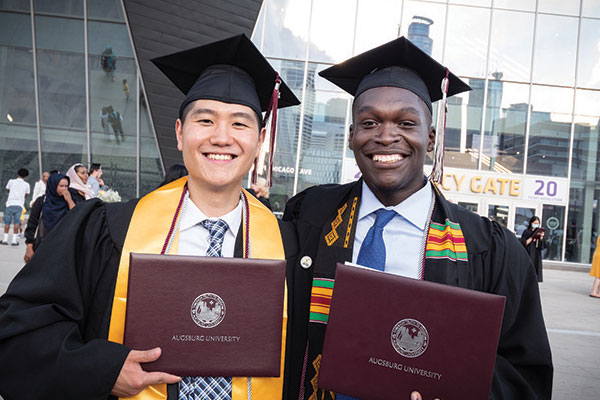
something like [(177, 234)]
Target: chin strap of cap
[(437, 171), (272, 113)]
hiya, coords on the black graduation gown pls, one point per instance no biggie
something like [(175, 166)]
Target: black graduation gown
[(496, 264), (534, 249), (76, 196), (35, 227), (55, 315)]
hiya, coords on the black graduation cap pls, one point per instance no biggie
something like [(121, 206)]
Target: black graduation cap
[(401, 64), (231, 70), (398, 63)]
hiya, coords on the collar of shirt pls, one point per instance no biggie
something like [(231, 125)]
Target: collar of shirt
[(193, 216), (415, 209)]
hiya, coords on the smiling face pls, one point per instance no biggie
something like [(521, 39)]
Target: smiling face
[(390, 137), (219, 142)]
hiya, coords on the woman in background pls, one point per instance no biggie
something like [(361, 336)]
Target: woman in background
[(595, 271), (46, 211), (78, 187), (533, 241), (260, 190)]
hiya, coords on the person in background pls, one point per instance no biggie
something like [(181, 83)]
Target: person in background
[(108, 62), (595, 271), (174, 172), (21, 223), (46, 211), (39, 188), (18, 190), (95, 181), (80, 191), (114, 119), (533, 241), (260, 190), (104, 112), (126, 89)]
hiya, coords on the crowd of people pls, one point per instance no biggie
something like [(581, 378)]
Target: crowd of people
[(62, 317), (53, 195)]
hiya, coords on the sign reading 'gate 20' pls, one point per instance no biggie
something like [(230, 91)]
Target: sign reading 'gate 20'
[(541, 189), (549, 190)]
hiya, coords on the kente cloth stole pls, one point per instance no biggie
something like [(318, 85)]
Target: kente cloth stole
[(444, 241), (151, 224)]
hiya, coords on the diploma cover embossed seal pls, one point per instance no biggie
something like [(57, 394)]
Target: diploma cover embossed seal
[(410, 334), (208, 310), (410, 338)]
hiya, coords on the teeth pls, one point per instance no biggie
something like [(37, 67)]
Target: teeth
[(387, 157), (219, 156)]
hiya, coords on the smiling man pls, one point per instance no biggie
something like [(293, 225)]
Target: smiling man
[(62, 317), (394, 220)]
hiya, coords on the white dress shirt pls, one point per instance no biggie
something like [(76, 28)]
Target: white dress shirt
[(194, 238), (403, 236)]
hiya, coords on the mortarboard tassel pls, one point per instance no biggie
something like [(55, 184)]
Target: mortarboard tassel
[(271, 112), (437, 171)]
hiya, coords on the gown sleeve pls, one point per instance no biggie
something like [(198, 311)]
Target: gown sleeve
[(33, 220), (523, 368), (54, 316)]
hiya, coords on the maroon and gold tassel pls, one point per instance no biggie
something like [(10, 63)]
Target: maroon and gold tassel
[(437, 171), (272, 113)]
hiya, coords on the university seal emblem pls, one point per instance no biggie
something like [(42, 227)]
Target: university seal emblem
[(208, 310), (410, 338)]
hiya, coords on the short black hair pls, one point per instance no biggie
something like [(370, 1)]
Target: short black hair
[(95, 167), (23, 172), (534, 218)]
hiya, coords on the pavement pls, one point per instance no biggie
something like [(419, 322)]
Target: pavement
[(572, 319)]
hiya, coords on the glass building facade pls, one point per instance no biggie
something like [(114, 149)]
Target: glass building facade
[(70, 93), (523, 142)]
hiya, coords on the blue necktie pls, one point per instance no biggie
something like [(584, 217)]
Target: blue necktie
[(372, 250), (372, 253), (208, 387)]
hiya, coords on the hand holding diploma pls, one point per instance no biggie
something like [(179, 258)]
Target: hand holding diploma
[(133, 379), (417, 396)]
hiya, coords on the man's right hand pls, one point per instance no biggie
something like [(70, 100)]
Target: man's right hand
[(133, 379), (417, 396)]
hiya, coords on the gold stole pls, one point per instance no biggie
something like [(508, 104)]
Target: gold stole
[(147, 232)]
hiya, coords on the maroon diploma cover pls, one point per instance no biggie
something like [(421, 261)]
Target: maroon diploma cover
[(388, 335), (211, 316)]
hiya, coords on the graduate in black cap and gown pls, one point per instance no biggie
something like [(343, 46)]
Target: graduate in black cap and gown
[(62, 317), (424, 235)]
